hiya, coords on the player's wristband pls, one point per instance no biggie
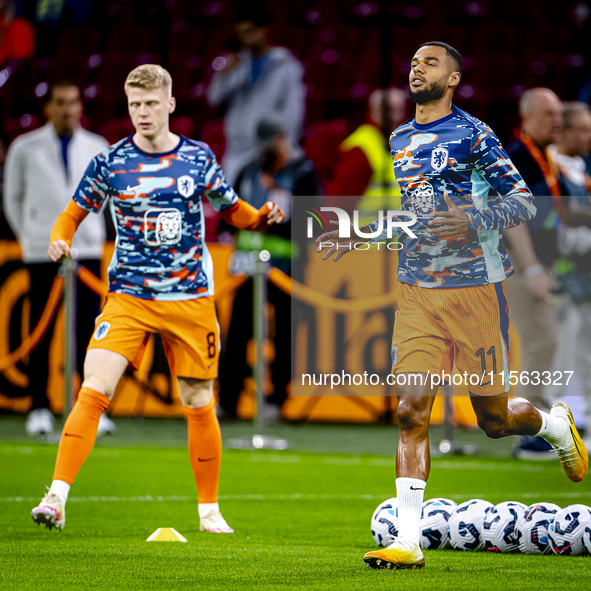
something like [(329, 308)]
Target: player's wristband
[(244, 216), (533, 271)]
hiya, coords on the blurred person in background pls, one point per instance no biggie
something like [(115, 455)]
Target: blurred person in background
[(573, 268), (256, 82), (533, 250), (280, 174), (365, 163), (6, 232), (17, 36), (3, 149), (43, 168)]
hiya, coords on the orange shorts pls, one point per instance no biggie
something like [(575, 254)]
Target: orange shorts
[(189, 330), (468, 325)]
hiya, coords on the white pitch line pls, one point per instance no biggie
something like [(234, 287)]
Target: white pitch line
[(436, 465), (391, 463), (292, 497), (338, 461)]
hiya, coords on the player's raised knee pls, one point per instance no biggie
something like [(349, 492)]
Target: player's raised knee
[(494, 428)]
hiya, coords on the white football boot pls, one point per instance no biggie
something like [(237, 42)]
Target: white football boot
[(39, 422), (106, 426), (51, 511), (214, 522)]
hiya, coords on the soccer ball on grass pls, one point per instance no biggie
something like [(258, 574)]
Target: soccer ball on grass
[(568, 529), (498, 528), (434, 527), (384, 522), (465, 525), (531, 530)]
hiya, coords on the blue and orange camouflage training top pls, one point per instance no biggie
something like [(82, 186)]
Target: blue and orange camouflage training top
[(156, 205), (461, 155)]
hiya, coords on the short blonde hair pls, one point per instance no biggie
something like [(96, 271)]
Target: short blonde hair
[(149, 77)]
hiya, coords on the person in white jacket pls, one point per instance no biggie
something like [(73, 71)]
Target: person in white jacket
[(42, 170), (259, 82)]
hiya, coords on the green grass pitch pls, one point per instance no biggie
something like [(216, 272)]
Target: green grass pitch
[(301, 520)]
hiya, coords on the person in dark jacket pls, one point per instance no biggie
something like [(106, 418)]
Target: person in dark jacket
[(284, 175)]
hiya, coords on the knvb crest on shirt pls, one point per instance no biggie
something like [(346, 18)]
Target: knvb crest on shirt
[(186, 185), (439, 158)]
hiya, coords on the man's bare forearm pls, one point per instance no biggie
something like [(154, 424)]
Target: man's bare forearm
[(578, 215), (521, 245)]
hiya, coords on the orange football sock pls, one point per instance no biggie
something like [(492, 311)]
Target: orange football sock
[(205, 450), (79, 434)]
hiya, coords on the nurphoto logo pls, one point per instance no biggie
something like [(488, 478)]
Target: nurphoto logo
[(377, 227)]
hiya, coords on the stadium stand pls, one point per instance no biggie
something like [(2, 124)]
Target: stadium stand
[(508, 46)]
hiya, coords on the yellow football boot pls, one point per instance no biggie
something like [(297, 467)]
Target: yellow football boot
[(571, 452), (395, 556)]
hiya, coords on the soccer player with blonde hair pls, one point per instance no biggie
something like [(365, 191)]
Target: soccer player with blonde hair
[(160, 281)]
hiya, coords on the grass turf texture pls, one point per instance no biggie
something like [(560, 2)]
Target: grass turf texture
[(301, 520)]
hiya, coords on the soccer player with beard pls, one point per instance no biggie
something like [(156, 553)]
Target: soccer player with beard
[(458, 180)]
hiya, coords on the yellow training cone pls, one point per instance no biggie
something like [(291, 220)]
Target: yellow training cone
[(166, 534)]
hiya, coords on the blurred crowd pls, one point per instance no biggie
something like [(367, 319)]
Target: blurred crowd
[(268, 152)]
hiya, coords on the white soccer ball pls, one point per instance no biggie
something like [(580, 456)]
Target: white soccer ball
[(587, 538), (442, 501), (531, 530), (384, 522), (465, 525), (498, 528), (434, 528), (568, 529)]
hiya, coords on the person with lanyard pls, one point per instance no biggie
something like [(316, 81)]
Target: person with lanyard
[(533, 250), (573, 268), (43, 167)]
